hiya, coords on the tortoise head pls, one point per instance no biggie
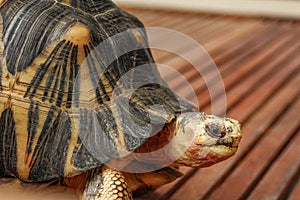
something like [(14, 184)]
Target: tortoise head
[(201, 140)]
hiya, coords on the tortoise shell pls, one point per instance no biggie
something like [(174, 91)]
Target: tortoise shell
[(65, 105)]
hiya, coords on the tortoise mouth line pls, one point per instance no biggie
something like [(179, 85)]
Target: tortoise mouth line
[(233, 144), (229, 145), (226, 147)]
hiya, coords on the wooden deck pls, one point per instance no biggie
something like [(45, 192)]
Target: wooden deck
[(259, 60)]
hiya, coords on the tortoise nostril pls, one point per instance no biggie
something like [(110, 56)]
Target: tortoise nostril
[(214, 130)]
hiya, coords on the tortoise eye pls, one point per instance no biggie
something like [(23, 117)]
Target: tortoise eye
[(214, 130)]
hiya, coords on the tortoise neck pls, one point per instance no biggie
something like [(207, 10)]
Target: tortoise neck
[(159, 139)]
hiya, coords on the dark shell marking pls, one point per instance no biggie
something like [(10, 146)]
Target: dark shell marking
[(48, 116)]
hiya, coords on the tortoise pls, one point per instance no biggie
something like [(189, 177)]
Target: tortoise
[(68, 115)]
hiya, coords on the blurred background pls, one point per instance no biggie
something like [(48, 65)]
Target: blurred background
[(268, 8)]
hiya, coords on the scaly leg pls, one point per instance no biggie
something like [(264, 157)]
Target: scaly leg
[(105, 183)]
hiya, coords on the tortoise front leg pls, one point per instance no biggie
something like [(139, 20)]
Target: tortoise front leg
[(105, 183)]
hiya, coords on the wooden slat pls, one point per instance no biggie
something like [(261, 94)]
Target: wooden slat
[(272, 74), (250, 66), (237, 71), (295, 193), (285, 170)]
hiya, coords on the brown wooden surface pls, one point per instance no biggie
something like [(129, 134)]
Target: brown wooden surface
[(259, 60)]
